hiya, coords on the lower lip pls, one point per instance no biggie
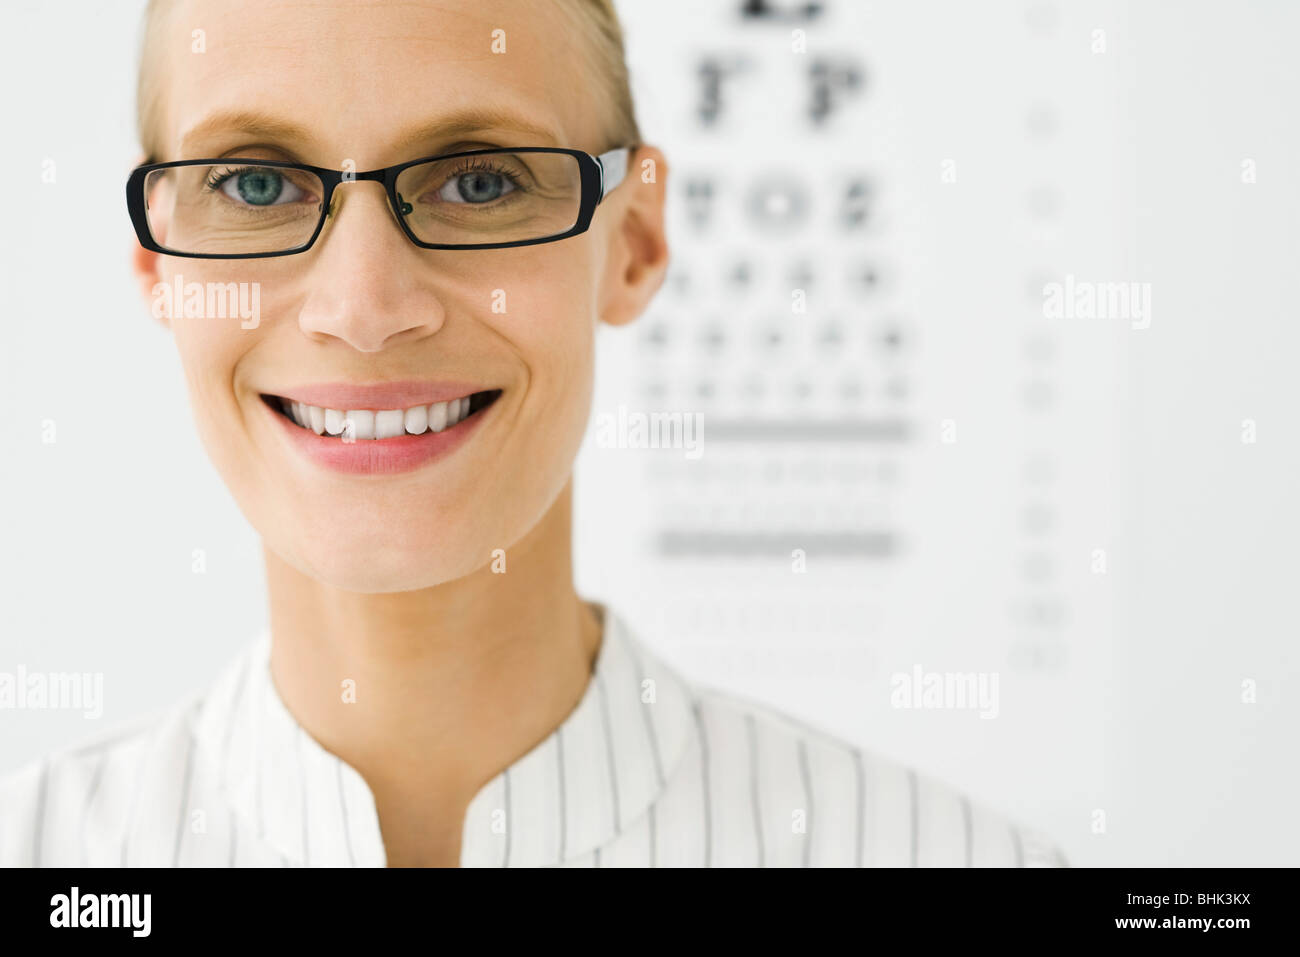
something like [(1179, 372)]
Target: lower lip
[(401, 453)]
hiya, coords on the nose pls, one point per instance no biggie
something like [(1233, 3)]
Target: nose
[(364, 289)]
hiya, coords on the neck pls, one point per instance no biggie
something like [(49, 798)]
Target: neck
[(453, 683)]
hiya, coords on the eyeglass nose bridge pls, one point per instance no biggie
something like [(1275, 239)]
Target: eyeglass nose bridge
[(340, 177)]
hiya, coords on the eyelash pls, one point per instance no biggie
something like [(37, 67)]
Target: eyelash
[(478, 163), (219, 175)]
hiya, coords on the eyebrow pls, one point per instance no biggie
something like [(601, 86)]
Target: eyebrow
[(458, 123)]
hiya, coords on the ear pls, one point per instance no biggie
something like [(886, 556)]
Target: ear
[(638, 254), (144, 266)]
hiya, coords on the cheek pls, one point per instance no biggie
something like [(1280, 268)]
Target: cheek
[(549, 324), (218, 308), (211, 345), (552, 328), (210, 351)]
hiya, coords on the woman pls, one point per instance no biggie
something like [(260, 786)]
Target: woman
[(425, 210)]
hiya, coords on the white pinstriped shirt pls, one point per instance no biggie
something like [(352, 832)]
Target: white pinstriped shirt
[(646, 771)]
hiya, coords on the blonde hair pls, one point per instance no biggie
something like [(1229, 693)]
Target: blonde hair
[(596, 21)]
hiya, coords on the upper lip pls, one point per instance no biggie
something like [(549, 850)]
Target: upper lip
[(378, 395)]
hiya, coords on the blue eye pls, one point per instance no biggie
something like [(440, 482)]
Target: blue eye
[(475, 186), (258, 186)]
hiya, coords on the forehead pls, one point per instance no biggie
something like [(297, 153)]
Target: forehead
[(369, 80)]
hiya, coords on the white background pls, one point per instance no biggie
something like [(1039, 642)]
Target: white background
[(1072, 435)]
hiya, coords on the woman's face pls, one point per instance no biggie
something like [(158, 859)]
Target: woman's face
[(336, 82)]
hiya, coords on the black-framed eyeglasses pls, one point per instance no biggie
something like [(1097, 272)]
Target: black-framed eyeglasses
[(236, 208)]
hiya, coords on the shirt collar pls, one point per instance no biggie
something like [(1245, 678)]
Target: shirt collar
[(575, 791)]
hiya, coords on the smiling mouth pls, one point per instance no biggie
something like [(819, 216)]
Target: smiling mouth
[(379, 424)]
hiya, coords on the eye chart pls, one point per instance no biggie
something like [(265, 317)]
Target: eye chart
[(866, 203)]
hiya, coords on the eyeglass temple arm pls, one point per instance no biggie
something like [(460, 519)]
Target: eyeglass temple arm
[(613, 167)]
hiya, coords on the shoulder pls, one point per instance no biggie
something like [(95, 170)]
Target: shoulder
[(73, 805), (820, 800), (46, 794)]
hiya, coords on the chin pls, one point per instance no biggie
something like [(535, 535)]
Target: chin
[(384, 558), (391, 572)]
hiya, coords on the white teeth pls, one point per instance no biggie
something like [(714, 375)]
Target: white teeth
[(416, 420), (363, 423), (382, 424), (437, 416), (390, 423)]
